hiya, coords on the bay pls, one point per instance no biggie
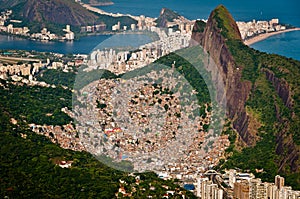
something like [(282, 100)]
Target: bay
[(286, 44), (82, 46)]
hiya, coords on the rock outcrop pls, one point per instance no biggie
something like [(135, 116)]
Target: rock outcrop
[(282, 88), (166, 16), (237, 91)]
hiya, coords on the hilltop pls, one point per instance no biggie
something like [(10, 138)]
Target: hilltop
[(262, 100), (166, 16), (55, 11)]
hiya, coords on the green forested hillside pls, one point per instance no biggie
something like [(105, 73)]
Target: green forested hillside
[(28, 165)]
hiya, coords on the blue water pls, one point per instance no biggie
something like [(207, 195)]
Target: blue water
[(287, 11), (82, 46), (286, 44)]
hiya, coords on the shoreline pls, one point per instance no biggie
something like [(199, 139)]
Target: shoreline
[(101, 4), (264, 36), (100, 11)]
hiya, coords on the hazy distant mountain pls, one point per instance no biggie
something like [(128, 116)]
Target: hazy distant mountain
[(54, 11), (55, 14), (166, 16)]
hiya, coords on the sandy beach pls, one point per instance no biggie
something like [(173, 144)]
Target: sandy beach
[(97, 10), (263, 36)]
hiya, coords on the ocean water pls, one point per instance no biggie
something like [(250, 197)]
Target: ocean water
[(287, 11), (286, 44), (82, 46)]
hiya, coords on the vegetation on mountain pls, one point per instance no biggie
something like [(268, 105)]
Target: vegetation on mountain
[(29, 164), (28, 168), (55, 11), (272, 104), (39, 105), (191, 71), (57, 77), (199, 26), (225, 23)]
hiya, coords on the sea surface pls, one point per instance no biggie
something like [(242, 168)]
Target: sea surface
[(286, 44), (287, 11), (84, 45)]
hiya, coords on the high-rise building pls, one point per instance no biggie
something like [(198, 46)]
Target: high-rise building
[(279, 181), (241, 190), (232, 178), (258, 190), (181, 27)]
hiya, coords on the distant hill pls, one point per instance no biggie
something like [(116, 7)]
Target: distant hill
[(54, 11), (55, 14), (262, 94), (166, 16)]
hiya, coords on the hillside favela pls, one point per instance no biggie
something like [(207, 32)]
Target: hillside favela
[(149, 99)]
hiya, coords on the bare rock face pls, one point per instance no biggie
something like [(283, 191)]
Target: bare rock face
[(237, 91), (282, 88), (285, 146), (288, 151)]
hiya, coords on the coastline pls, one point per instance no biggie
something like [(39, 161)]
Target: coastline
[(102, 4), (264, 36), (99, 11)]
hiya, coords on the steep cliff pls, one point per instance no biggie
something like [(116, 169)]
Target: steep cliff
[(262, 96), (282, 88), (213, 39)]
